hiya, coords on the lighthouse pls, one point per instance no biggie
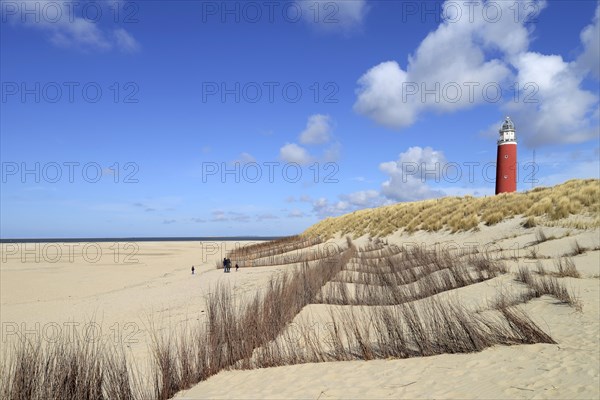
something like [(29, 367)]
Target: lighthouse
[(506, 161)]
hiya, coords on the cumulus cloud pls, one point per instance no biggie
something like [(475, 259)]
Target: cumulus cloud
[(317, 131), (589, 60), (396, 97), (293, 153), (408, 176), (65, 28), (422, 163), (560, 111), (552, 108), (341, 16), (364, 198), (322, 207)]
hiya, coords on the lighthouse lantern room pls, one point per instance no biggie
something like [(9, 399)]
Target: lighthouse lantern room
[(506, 161)]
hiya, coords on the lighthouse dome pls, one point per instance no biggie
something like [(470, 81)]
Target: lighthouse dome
[(508, 125)]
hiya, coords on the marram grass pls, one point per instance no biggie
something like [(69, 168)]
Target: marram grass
[(552, 206)]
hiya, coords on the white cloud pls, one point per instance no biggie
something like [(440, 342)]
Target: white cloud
[(407, 181), (125, 42), (245, 158), (552, 106), (395, 97), (561, 111), (219, 216), (317, 131), (364, 198), (422, 163), (266, 216), (589, 60), (323, 208), (293, 153), (238, 217), (65, 28), (334, 16), (296, 214), (332, 153)]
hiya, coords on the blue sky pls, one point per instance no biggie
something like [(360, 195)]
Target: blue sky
[(129, 118)]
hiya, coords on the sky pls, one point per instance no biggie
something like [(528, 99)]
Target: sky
[(229, 118)]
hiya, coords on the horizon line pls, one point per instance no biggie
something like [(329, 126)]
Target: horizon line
[(139, 239)]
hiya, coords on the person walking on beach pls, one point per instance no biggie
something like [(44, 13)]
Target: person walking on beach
[(236, 267), (193, 269), (225, 265)]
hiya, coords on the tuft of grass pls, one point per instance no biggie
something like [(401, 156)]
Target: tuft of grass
[(67, 369), (547, 285), (566, 268), (493, 218)]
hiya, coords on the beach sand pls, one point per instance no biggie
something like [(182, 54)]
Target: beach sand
[(102, 293), (159, 290)]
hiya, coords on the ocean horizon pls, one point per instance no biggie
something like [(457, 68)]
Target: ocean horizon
[(140, 239)]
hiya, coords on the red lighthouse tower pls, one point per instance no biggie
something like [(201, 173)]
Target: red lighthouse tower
[(506, 162)]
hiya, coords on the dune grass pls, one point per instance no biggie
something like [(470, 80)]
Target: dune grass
[(416, 274), (545, 284), (544, 205), (69, 369)]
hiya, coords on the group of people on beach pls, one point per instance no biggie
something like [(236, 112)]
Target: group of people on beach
[(227, 265)]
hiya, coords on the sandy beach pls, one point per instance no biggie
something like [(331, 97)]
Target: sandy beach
[(158, 292), (85, 292)]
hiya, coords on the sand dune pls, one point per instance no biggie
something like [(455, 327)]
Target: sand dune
[(158, 294)]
